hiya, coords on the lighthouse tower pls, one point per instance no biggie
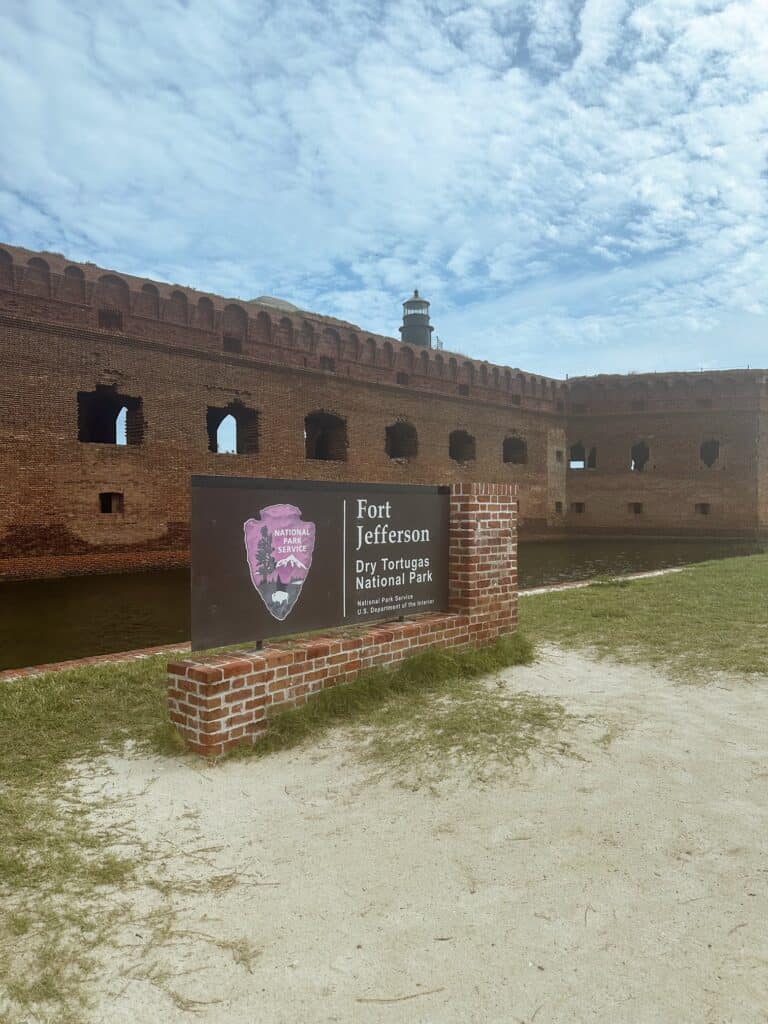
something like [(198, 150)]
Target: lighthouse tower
[(416, 329)]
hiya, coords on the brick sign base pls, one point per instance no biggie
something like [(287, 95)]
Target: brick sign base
[(220, 701)]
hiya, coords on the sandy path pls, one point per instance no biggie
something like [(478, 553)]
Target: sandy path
[(626, 884)]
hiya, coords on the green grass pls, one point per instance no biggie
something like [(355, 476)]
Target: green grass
[(434, 711), (711, 617)]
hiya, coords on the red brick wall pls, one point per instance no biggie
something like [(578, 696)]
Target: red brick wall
[(673, 414), (52, 348), (170, 354), (224, 700)]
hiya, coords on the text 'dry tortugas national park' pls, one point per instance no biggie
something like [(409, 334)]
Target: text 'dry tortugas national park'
[(115, 392)]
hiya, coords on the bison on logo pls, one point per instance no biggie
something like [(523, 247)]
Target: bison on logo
[(279, 546)]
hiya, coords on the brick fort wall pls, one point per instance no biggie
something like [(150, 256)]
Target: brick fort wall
[(78, 342)]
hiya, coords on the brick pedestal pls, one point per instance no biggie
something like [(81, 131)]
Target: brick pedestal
[(217, 702)]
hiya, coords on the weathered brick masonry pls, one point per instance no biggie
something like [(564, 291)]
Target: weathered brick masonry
[(76, 340), (219, 702)]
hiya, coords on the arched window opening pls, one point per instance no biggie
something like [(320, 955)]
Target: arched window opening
[(37, 279), (121, 426), (234, 328), (577, 456), (325, 437), (307, 336), (402, 441), (592, 458), (286, 331), (351, 348), (112, 294), (176, 310), (233, 430), (72, 285), (515, 450), (389, 354), (148, 302), (264, 329), (204, 319), (369, 352), (405, 360), (226, 436), (106, 417), (709, 452), (462, 446), (639, 456)]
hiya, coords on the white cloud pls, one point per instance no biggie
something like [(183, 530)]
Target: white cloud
[(569, 181)]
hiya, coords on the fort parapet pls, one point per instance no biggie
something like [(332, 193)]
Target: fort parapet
[(115, 390)]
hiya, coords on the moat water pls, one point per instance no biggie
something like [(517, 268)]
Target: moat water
[(54, 620)]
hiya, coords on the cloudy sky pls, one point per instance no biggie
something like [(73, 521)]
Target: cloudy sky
[(579, 186)]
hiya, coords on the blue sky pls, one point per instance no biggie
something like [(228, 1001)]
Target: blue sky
[(578, 186)]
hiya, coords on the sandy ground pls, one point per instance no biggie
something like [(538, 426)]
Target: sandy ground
[(624, 882)]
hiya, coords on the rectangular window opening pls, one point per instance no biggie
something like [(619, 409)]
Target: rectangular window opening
[(558, 456), (577, 506), (558, 507), (635, 507), (111, 503), (703, 508)]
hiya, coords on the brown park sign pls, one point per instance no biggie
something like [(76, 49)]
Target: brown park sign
[(271, 557)]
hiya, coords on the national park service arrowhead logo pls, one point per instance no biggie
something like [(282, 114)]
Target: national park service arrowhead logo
[(279, 546)]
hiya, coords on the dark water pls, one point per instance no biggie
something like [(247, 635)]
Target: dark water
[(53, 620), (558, 561)]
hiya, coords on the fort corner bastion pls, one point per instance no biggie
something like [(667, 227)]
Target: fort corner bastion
[(115, 390)]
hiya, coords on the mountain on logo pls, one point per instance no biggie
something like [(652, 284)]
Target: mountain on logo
[(292, 561)]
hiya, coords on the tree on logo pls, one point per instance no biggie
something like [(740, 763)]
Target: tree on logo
[(265, 557)]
